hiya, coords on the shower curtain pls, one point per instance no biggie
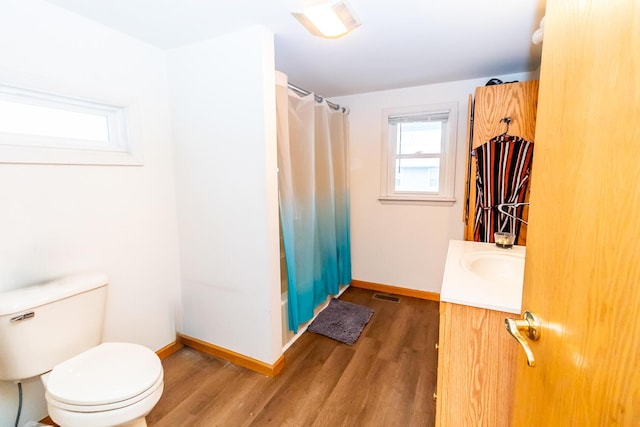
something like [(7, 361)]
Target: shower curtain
[(314, 199)]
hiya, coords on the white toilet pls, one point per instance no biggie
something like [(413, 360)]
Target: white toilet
[(54, 330)]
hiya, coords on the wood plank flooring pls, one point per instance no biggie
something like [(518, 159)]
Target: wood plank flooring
[(387, 378)]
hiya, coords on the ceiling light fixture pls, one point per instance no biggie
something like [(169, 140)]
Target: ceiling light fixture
[(328, 19)]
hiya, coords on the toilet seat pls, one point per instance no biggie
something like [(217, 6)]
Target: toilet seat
[(106, 407), (128, 416), (103, 378)]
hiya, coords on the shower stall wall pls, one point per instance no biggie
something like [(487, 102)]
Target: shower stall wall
[(223, 122)]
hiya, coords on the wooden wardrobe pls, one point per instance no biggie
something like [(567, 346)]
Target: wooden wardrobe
[(517, 101)]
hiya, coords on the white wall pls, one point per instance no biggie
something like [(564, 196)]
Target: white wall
[(223, 112), (58, 219), (393, 244)]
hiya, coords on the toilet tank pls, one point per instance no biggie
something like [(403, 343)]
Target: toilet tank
[(48, 323)]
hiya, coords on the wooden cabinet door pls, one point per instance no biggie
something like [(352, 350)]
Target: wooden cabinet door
[(582, 272), (476, 365)]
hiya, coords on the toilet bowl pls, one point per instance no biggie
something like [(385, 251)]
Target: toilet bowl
[(113, 384), (53, 330)]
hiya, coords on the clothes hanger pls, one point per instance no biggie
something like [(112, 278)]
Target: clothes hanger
[(506, 121), (501, 207)]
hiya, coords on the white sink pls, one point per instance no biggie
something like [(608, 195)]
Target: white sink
[(495, 266), (479, 274)]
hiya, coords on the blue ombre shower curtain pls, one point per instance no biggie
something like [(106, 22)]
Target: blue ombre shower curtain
[(314, 199)]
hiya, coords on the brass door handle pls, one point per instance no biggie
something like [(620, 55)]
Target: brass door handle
[(531, 325)]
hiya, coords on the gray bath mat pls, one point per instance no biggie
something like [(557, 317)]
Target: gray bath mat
[(342, 321)]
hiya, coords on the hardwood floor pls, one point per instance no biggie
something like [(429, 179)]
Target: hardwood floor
[(387, 378)]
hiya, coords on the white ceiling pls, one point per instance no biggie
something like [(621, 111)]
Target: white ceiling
[(401, 43)]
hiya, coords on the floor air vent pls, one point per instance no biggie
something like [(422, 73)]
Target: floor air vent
[(386, 297)]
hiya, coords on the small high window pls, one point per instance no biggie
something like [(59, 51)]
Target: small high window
[(418, 159), (38, 127)]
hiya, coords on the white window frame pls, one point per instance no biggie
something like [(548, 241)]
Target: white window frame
[(447, 156), (21, 148)]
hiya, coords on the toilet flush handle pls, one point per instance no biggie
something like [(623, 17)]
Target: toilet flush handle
[(23, 316)]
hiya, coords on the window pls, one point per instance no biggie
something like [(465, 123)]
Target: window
[(418, 159), (38, 127)]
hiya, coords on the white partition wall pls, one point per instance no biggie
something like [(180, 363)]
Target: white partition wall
[(223, 116)]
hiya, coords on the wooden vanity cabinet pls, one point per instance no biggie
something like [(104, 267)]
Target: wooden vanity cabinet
[(476, 367)]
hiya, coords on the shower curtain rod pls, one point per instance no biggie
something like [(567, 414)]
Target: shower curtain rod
[(318, 98)]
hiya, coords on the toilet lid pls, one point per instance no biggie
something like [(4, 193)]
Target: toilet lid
[(108, 373)]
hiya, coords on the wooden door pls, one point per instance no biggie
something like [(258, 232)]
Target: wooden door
[(582, 273), (519, 102)]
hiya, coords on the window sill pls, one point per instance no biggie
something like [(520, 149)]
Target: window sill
[(417, 200), (61, 156)]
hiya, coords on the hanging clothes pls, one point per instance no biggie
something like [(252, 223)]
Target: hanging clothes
[(502, 176)]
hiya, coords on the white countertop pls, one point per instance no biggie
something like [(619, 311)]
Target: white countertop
[(461, 286)]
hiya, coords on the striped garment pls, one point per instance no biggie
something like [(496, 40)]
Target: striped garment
[(502, 176)]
